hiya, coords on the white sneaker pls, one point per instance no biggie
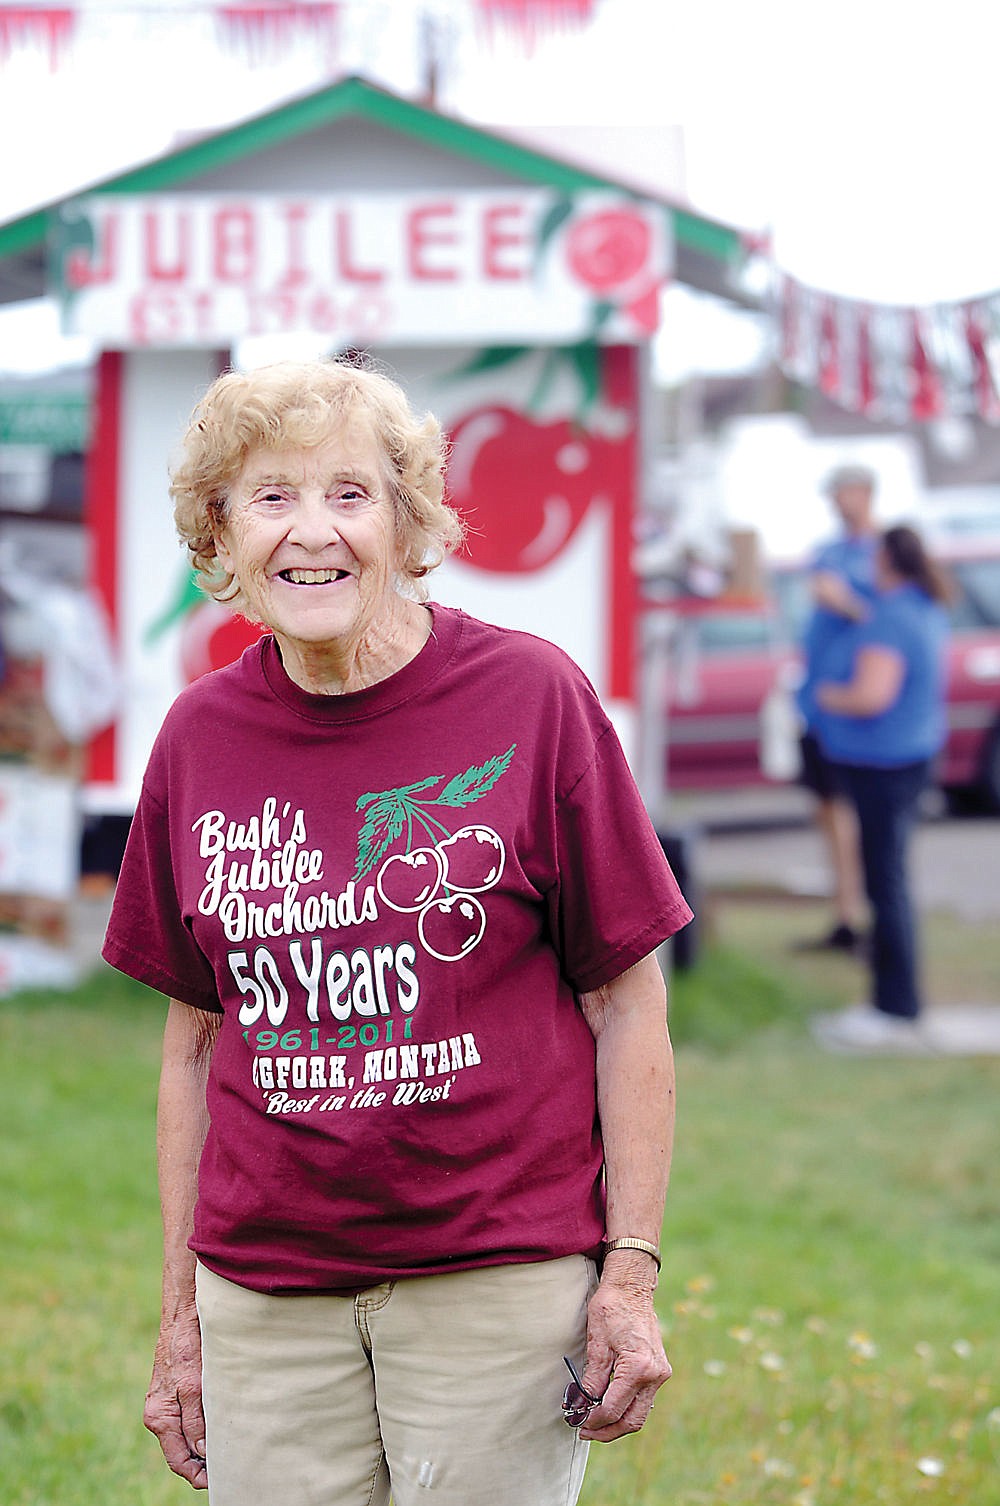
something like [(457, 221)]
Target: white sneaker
[(863, 1030)]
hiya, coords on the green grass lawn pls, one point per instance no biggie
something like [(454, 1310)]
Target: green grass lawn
[(832, 1251)]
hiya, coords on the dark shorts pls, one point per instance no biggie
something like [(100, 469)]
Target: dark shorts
[(818, 773)]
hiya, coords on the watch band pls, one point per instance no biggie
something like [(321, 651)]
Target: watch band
[(634, 1244)]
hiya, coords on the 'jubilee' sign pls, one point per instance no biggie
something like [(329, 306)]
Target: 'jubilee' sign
[(362, 269)]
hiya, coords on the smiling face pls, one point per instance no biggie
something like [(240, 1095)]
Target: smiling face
[(310, 536)]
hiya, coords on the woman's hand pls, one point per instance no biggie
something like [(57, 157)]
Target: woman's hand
[(173, 1408), (623, 1336), (833, 592)]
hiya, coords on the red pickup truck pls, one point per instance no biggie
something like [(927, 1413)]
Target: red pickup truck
[(728, 656)]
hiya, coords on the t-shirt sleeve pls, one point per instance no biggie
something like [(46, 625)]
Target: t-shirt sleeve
[(883, 630), (147, 937), (615, 898)]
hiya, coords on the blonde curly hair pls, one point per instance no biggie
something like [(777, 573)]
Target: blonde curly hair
[(304, 403)]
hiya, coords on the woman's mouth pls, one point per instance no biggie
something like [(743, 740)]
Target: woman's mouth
[(312, 577)]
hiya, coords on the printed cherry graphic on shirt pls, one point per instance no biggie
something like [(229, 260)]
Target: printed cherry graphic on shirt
[(409, 879), (470, 862), (391, 813), (450, 928), (473, 859), (463, 863)]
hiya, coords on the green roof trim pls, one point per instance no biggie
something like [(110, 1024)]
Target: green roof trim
[(707, 236), (355, 97), (23, 234), (248, 138)]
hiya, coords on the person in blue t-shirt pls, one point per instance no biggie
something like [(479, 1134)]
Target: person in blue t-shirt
[(842, 580), (881, 722)]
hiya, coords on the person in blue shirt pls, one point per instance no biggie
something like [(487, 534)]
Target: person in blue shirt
[(842, 581), (881, 722)]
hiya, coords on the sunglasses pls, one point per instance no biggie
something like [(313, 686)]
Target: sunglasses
[(577, 1402)]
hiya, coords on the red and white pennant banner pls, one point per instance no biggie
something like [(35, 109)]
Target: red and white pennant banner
[(890, 362), (47, 27), (264, 33), (527, 20)]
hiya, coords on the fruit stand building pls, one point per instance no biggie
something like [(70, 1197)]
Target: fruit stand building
[(514, 294)]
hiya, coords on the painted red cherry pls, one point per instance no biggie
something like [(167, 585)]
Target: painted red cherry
[(472, 859), (450, 928), (607, 250), (409, 879), (525, 487), (211, 637)]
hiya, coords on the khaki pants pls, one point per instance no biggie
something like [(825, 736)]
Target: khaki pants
[(443, 1390)]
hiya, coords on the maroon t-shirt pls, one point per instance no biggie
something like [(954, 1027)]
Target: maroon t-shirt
[(394, 897)]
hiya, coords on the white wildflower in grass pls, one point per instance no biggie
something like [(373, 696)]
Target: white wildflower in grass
[(931, 1467), (772, 1316), (816, 1325), (741, 1335), (962, 1348), (714, 1368), (804, 1498), (993, 1420), (861, 1345), (777, 1469), (771, 1361), (924, 1350)]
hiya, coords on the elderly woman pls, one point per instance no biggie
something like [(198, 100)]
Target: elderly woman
[(415, 1114), (882, 722)]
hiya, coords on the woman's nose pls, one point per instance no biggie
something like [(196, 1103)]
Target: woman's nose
[(313, 523)]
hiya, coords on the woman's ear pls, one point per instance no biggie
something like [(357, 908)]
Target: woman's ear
[(223, 553)]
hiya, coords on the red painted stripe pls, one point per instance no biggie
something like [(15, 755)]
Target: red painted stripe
[(100, 503), (621, 388)]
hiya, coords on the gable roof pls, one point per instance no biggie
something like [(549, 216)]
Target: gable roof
[(707, 251)]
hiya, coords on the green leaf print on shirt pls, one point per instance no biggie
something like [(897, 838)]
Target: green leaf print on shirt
[(391, 812)]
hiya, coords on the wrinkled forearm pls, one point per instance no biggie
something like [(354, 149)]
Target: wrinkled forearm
[(844, 699), (635, 1093), (833, 592), (182, 1125), (873, 687)]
